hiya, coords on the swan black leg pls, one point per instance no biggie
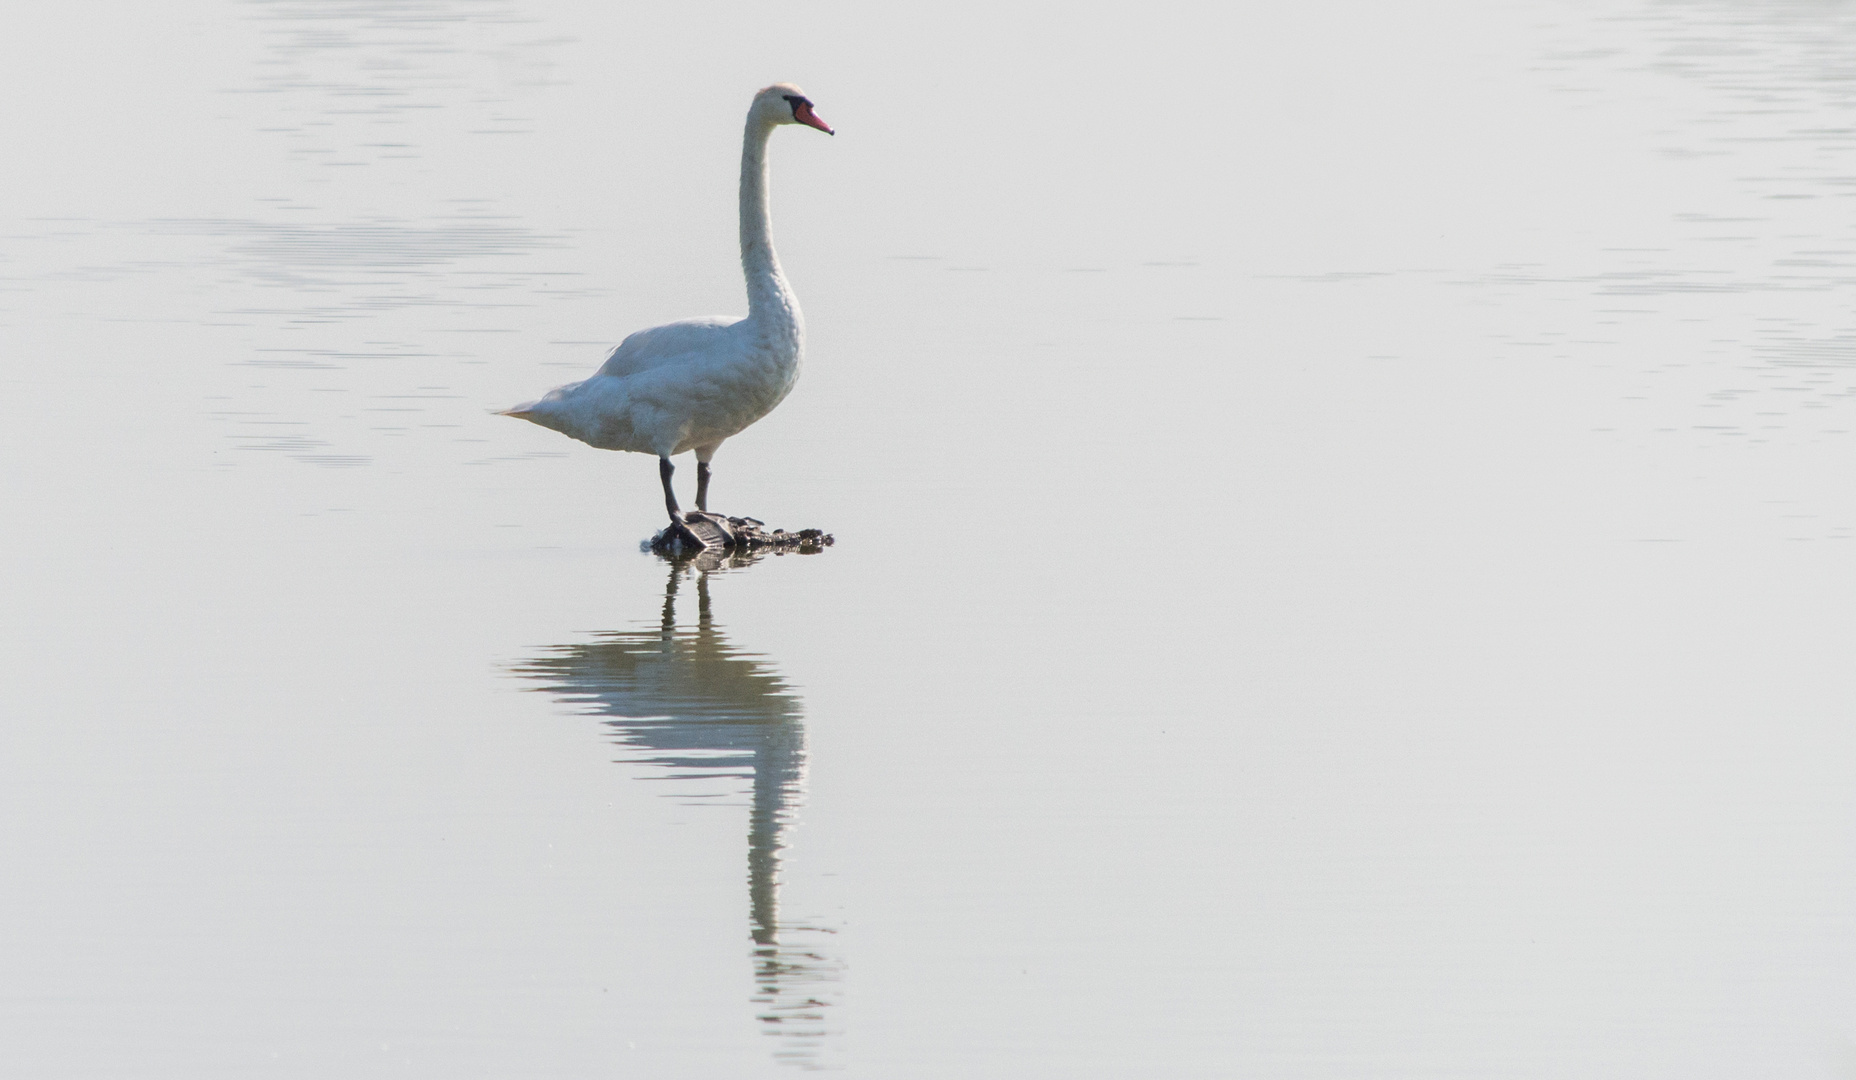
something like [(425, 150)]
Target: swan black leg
[(679, 534), (702, 486), (664, 469)]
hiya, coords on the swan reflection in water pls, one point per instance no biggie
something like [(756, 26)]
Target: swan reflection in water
[(686, 701)]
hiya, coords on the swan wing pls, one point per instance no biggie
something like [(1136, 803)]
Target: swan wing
[(671, 344)]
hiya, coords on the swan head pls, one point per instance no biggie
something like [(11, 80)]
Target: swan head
[(784, 103)]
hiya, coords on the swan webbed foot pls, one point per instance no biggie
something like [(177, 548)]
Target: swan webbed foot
[(712, 531), (680, 534)]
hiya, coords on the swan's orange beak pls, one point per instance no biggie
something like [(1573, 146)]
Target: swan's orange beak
[(804, 114)]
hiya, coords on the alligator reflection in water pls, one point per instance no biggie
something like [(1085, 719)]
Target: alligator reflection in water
[(686, 701)]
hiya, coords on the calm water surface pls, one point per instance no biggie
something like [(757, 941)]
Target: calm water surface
[(1343, 560)]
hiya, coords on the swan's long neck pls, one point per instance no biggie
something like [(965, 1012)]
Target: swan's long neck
[(771, 304)]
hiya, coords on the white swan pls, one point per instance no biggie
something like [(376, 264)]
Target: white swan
[(689, 385)]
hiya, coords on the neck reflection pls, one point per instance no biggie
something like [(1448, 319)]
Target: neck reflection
[(683, 700)]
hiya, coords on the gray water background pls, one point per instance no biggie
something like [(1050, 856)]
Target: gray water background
[(1343, 559)]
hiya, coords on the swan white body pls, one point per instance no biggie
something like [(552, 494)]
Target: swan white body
[(678, 387), (689, 385)]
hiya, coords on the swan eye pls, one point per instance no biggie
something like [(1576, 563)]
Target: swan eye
[(796, 102)]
